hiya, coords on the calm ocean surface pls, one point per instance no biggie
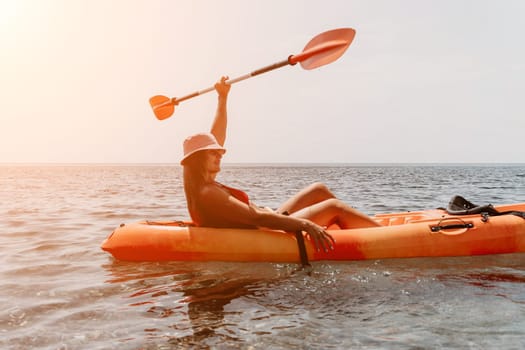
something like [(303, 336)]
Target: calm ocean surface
[(60, 291)]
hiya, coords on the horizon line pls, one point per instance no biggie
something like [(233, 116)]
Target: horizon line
[(291, 164)]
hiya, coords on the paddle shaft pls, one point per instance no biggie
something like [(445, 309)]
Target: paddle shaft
[(238, 79), (291, 60)]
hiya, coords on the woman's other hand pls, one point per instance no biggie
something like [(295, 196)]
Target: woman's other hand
[(320, 237)]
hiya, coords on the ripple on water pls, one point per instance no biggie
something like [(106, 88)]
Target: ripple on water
[(61, 291)]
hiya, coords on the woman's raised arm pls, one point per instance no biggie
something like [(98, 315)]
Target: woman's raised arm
[(218, 128)]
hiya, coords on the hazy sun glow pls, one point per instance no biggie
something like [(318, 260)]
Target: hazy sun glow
[(8, 12), (13, 16)]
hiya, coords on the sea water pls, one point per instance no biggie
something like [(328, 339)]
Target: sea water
[(60, 291)]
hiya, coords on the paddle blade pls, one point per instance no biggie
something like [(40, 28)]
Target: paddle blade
[(325, 48), (162, 106)]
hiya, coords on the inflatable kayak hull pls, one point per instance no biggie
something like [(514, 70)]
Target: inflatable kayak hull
[(431, 233)]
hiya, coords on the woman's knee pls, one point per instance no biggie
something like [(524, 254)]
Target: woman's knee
[(336, 204), (320, 190)]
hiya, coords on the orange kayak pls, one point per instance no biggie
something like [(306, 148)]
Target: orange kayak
[(430, 233)]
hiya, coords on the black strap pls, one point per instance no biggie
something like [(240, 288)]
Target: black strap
[(300, 244), (302, 248)]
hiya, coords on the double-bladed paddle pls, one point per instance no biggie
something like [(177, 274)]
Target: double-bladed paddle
[(323, 49)]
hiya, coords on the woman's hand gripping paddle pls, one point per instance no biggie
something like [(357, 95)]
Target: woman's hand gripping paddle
[(323, 49)]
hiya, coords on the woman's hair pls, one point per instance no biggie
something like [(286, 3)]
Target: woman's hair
[(193, 176)]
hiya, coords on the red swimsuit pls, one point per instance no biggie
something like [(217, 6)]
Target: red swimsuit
[(240, 195)]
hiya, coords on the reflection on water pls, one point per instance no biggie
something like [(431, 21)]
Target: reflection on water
[(192, 296), (334, 305)]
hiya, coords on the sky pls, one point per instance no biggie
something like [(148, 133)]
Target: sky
[(422, 82)]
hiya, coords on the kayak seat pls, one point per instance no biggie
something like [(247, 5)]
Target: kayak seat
[(460, 206)]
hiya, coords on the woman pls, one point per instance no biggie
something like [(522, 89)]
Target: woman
[(212, 204)]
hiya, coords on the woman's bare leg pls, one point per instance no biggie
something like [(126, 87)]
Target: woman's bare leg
[(334, 211), (310, 195)]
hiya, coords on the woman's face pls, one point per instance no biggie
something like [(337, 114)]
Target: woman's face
[(213, 160)]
